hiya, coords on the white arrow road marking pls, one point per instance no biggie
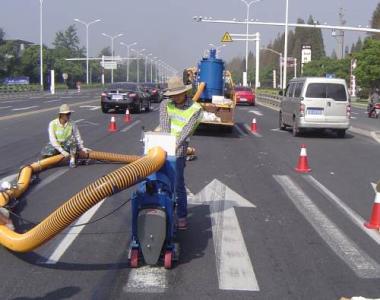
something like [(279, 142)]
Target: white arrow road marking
[(254, 133), (256, 112), (355, 218), (24, 108), (359, 261), (90, 107), (147, 279), (234, 267), (73, 234)]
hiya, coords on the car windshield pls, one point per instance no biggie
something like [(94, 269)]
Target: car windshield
[(243, 88), (122, 87), (327, 90)]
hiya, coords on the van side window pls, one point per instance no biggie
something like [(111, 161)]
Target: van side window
[(298, 89), (327, 90), (290, 90)]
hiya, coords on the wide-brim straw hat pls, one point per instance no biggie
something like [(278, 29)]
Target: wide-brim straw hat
[(65, 109), (176, 87)]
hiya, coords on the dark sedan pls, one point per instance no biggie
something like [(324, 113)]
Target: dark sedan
[(154, 91), (123, 96)]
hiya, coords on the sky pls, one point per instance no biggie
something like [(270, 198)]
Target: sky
[(166, 28)]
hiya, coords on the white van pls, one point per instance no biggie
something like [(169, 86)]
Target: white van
[(314, 102)]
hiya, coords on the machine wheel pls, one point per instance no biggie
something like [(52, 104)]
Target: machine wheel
[(134, 261), (341, 133), (168, 259)]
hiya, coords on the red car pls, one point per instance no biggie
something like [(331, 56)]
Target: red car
[(244, 94)]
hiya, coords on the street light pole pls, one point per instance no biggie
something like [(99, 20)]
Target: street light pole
[(151, 68), (128, 48), (112, 54), (87, 25), (280, 63), (246, 43), (138, 62), (146, 58), (286, 45), (41, 54)]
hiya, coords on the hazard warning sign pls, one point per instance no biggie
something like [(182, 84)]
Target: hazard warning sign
[(226, 38)]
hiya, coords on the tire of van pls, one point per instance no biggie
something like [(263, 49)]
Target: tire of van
[(281, 124), (341, 133)]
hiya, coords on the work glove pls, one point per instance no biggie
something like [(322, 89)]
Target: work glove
[(65, 154)]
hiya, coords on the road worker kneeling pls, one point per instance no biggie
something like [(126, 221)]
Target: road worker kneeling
[(64, 137)]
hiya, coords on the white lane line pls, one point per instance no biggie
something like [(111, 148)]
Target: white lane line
[(256, 112), (155, 109), (5, 107), (353, 118), (95, 108), (24, 108), (72, 234), (278, 130), (67, 97), (50, 179), (254, 133), (55, 100), (78, 121), (10, 178), (376, 136), (9, 101), (359, 261), (147, 279), (130, 126), (241, 132), (355, 218)]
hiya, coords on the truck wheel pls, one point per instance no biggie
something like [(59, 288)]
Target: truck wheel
[(341, 133)]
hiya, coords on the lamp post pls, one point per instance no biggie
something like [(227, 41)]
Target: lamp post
[(247, 37), (128, 48), (286, 45), (280, 57), (151, 68), (87, 25), (112, 54), (41, 54), (146, 58), (138, 62)]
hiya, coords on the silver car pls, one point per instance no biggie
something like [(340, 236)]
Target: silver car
[(313, 102)]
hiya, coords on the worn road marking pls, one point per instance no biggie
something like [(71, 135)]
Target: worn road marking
[(130, 126), (5, 107), (24, 108), (241, 132), (359, 261), (147, 279), (55, 100), (253, 133), (256, 112), (355, 218), (72, 234), (234, 266), (50, 179), (10, 178)]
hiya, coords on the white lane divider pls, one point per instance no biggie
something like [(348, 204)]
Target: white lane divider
[(55, 100), (5, 107), (130, 126), (359, 261), (72, 234), (256, 112), (25, 108), (147, 279), (355, 218), (90, 107), (50, 179)]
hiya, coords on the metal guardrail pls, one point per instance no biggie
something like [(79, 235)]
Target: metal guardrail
[(272, 100)]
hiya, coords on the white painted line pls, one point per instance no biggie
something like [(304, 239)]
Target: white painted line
[(5, 107), (50, 179), (353, 118), (78, 121), (278, 130), (147, 279), (241, 132), (24, 108), (72, 234), (67, 97), (35, 97), (55, 100), (359, 261), (355, 218), (376, 136), (10, 178), (9, 101), (256, 112), (95, 108), (253, 133), (130, 126), (234, 266)]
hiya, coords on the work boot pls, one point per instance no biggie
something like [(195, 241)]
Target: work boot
[(182, 223)]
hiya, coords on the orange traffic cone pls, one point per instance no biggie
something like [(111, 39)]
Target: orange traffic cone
[(303, 166), (127, 116), (112, 125), (253, 125), (374, 222)]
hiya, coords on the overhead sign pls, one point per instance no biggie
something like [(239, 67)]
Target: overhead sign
[(226, 38), (109, 65)]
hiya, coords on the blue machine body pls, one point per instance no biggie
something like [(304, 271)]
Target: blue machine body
[(157, 191), (210, 71)]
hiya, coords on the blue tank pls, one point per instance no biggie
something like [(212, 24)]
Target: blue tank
[(210, 71)]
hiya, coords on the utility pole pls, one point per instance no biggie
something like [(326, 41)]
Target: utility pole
[(339, 35)]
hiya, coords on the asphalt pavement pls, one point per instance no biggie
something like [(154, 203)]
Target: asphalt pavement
[(257, 229)]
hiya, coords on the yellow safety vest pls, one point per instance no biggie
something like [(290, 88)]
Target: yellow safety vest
[(180, 117), (61, 133)]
